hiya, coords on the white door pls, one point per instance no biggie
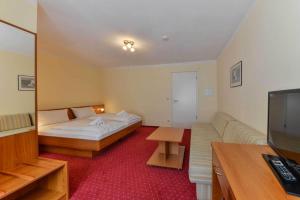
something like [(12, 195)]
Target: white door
[(184, 99)]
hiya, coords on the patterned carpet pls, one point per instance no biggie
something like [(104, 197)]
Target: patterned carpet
[(120, 173)]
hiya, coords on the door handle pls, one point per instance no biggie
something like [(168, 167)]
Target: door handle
[(175, 100)]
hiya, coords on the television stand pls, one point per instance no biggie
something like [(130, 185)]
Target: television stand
[(284, 173), (240, 172)]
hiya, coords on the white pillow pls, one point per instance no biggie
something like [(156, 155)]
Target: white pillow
[(52, 117), (84, 112)]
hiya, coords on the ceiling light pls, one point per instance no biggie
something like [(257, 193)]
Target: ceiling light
[(128, 44)]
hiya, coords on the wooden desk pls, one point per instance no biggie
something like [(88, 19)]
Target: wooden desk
[(168, 153), (240, 172)]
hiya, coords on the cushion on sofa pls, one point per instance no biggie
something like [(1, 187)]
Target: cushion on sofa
[(220, 121), (237, 132), (200, 152), (223, 128), (33, 118), (16, 121), (200, 125)]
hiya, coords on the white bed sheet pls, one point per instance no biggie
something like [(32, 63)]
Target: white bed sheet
[(113, 117), (78, 134)]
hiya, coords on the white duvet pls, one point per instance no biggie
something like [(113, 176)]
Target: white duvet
[(84, 125), (120, 118), (82, 128)]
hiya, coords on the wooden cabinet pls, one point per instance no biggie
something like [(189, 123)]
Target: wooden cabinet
[(24, 175), (222, 186), (240, 172)]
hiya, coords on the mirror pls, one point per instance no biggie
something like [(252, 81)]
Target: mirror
[(17, 80)]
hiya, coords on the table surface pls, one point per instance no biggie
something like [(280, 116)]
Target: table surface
[(247, 172), (167, 134)]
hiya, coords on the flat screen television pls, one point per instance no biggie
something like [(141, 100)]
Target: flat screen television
[(284, 123)]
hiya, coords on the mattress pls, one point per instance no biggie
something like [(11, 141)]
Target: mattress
[(51, 130)]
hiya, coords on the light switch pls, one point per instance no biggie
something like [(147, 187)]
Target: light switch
[(208, 92)]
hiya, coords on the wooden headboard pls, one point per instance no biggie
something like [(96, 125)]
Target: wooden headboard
[(98, 109)]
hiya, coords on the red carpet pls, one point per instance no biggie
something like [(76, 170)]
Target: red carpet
[(120, 172)]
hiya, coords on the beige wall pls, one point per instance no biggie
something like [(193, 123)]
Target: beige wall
[(13, 101), (63, 83), (268, 42), (147, 90), (22, 13)]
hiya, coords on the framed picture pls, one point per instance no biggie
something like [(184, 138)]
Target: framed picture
[(26, 83), (236, 75)]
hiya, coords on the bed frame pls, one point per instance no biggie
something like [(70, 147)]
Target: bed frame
[(81, 147)]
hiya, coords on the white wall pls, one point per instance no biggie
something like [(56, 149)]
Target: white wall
[(65, 83), (13, 101), (147, 90), (268, 42)]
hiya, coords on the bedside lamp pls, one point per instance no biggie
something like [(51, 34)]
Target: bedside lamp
[(99, 110)]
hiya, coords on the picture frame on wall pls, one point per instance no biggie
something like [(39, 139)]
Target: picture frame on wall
[(236, 75), (26, 83)]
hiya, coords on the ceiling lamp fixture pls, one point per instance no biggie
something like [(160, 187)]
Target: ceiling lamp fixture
[(128, 45)]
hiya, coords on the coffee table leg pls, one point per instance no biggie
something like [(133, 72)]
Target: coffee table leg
[(174, 148), (167, 154), (164, 148), (167, 148)]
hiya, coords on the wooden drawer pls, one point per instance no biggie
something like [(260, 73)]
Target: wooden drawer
[(225, 187)]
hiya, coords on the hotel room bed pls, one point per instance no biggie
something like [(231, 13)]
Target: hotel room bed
[(76, 137)]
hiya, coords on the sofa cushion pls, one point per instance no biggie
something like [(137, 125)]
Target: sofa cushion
[(17, 121), (201, 153), (33, 118), (222, 129), (220, 121), (200, 125), (237, 132), (202, 136)]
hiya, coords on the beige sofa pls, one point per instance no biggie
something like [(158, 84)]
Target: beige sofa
[(223, 128), (16, 123)]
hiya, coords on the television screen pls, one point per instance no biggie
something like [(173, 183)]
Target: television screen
[(284, 123)]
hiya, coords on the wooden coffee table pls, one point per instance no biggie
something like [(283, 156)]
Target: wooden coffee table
[(168, 153)]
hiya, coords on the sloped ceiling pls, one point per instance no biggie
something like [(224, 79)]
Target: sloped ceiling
[(93, 30)]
